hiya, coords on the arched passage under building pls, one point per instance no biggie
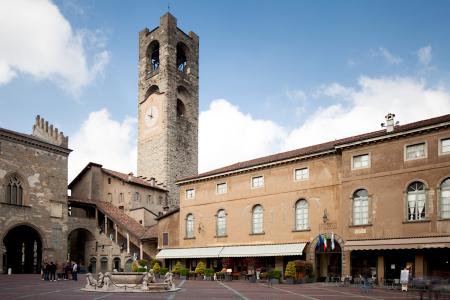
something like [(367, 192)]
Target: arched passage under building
[(23, 254), (328, 260), (79, 242)]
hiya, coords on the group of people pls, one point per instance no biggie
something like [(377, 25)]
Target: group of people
[(59, 271)]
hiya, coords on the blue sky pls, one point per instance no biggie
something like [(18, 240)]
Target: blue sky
[(293, 73)]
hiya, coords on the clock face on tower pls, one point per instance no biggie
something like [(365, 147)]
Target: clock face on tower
[(151, 116)]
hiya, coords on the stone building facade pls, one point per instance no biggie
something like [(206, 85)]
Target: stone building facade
[(33, 197), (168, 104), (380, 202)]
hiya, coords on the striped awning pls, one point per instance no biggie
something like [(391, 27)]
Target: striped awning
[(263, 250), (233, 251), (400, 243), (207, 252)]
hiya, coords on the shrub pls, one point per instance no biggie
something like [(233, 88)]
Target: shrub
[(184, 272), (276, 274), (143, 262), (200, 269), (177, 268), (309, 271), (134, 266), (209, 272), (141, 269), (163, 271), (290, 271), (154, 261), (156, 268)]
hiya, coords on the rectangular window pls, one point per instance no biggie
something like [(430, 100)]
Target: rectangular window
[(257, 181), (137, 197), (190, 194), (109, 197), (301, 174), (360, 161), (415, 151), (165, 239), (221, 188), (121, 198), (149, 199), (445, 146)]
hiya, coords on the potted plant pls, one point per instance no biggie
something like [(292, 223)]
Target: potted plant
[(275, 276), (163, 271), (209, 273), (290, 272), (184, 273), (156, 268), (177, 268), (200, 270), (309, 272)]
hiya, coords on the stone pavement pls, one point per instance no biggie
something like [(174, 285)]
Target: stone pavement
[(31, 287)]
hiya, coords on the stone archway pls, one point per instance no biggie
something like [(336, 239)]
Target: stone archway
[(336, 257), (22, 250), (80, 243)]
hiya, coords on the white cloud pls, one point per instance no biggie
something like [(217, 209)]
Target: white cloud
[(334, 90), (37, 40), (298, 99), (227, 135), (105, 141), (410, 99), (390, 58), (424, 55)]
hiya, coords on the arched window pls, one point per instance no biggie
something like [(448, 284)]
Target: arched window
[(104, 264), (416, 200), (301, 215), (181, 57), (14, 191), (153, 55), (221, 223), (181, 110), (190, 226), (257, 219), (445, 199), (360, 207)]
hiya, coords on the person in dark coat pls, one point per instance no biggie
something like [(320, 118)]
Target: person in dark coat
[(52, 270)]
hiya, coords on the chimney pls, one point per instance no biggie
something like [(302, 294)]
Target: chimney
[(130, 176), (390, 123)]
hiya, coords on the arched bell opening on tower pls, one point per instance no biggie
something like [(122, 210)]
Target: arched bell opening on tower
[(151, 90), (181, 109), (181, 57), (153, 55)]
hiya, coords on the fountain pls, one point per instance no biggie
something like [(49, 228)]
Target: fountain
[(129, 282)]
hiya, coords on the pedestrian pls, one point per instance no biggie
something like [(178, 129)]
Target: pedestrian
[(46, 271), (74, 271), (67, 270), (52, 270), (59, 271)]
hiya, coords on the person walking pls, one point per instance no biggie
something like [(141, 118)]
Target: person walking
[(52, 270), (67, 270), (74, 271)]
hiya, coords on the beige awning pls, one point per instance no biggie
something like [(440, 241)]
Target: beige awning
[(207, 252), (403, 243), (233, 251), (263, 250)]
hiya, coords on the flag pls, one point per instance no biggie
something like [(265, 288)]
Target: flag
[(332, 241), (319, 243), (324, 243)]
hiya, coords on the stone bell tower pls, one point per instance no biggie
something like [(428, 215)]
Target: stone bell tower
[(168, 105)]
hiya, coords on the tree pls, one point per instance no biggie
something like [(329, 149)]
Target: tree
[(290, 271), (200, 269), (177, 268)]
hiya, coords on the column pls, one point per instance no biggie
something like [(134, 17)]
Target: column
[(106, 225), (346, 267), (128, 243), (115, 238), (96, 217), (380, 270), (141, 251), (418, 266)]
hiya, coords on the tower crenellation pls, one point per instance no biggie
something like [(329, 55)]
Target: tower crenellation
[(168, 104), (43, 130)]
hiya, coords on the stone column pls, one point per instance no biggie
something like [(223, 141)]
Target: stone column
[(141, 251), (106, 225), (128, 243), (2, 251), (418, 266), (346, 268), (115, 238), (380, 270)]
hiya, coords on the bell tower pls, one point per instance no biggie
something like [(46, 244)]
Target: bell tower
[(168, 105)]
